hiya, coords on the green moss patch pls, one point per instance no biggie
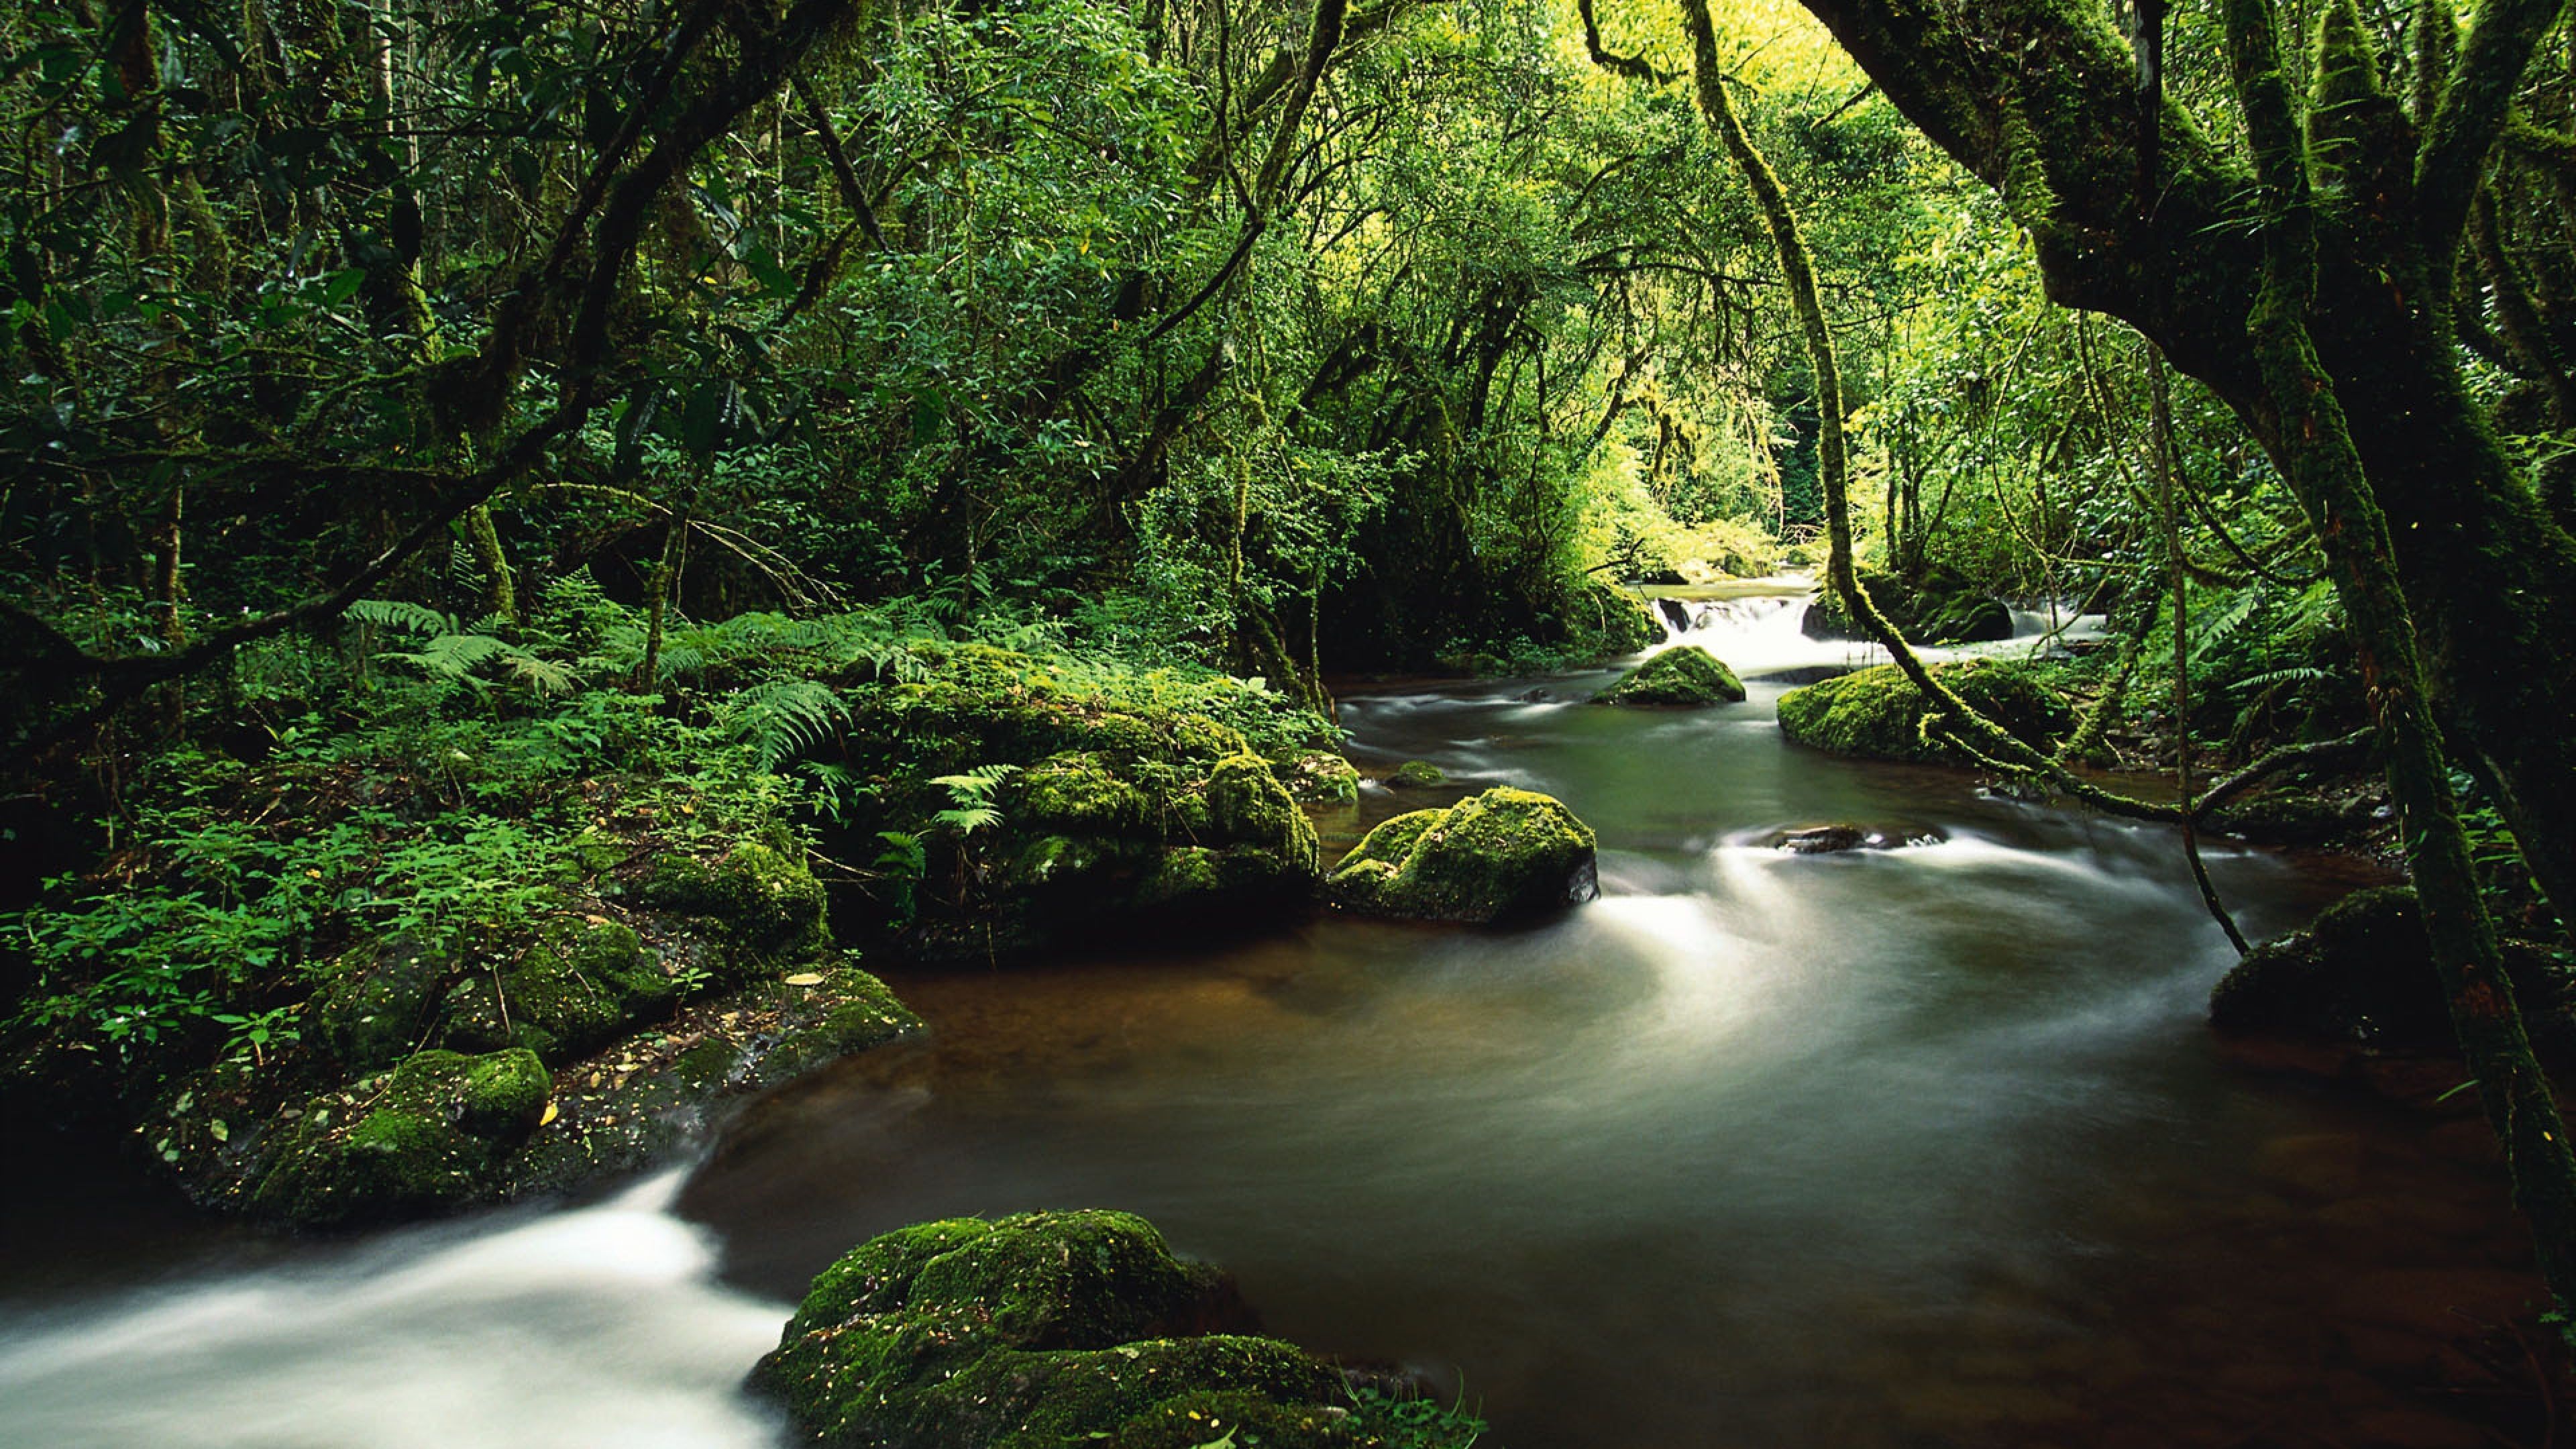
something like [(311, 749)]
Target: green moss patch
[(424, 1136), (1318, 778), (1685, 675), (1044, 1329), (1877, 712), (574, 989), (2362, 975), (1497, 856)]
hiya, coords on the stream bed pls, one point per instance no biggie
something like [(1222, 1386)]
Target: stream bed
[(1904, 1147)]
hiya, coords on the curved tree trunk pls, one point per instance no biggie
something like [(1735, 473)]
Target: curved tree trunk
[(2035, 98)]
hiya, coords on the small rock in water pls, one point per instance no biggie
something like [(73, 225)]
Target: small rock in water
[(1832, 839), (1416, 775), (1675, 612)]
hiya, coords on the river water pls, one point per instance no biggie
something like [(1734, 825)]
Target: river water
[(1913, 1146)]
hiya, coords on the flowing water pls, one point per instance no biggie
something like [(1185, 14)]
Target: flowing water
[(1913, 1146)]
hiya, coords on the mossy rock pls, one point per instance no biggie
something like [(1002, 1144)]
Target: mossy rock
[(847, 1012), (628, 1109), (1248, 806), (1945, 609), (1416, 775), (1826, 618), (1967, 619), (1319, 778), (1609, 621), (1685, 675), (1037, 1330), (1877, 712), (1501, 855), (575, 988), (2362, 974), (424, 1137), (765, 906), (1082, 792), (378, 1001)]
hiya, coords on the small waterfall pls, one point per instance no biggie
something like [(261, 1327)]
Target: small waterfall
[(1759, 634)]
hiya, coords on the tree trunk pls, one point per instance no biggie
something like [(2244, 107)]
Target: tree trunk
[(2035, 98)]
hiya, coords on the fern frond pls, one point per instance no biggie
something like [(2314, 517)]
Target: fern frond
[(2295, 674), (2213, 628), (451, 656), (967, 819), (543, 676), (403, 615), (783, 717)]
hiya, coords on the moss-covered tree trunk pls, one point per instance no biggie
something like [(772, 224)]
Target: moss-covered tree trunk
[(2036, 98), (2327, 473)]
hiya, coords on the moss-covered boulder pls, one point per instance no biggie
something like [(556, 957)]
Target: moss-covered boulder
[(2362, 974), (423, 1137), (378, 1001), (757, 902), (1416, 775), (1320, 778), (1502, 855), (1944, 609), (1966, 618), (1036, 1331), (1879, 714), (1685, 675), (575, 988), (1110, 803)]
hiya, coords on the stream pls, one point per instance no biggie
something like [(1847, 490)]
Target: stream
[(1925, 1145)]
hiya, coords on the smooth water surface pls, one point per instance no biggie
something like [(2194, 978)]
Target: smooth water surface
[(1915, 1146)]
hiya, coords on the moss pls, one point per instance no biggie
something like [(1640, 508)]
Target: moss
[(765, 906), (1946, 609), (1319, 778), (848, 1012), (1037, 1330), (426, 1136), (2362, 974), (1081, 793), (376, 1002), (1393, 839), (1685, 675), (1503, 854), (1878, 713), (574, 989), (1247, 805), (1416, 775)]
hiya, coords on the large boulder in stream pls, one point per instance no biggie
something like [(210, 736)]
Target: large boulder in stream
[(422, 1137), (1877, 713), (1685, 675), (678, 981), (1944, 609), (1055, 1328), (1502, 855), (1106, 803), (2362, 975)]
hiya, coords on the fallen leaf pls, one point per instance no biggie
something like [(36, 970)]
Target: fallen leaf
[(552, 1112), (805, 978)]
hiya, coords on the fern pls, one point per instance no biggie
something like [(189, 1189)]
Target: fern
[(2294, 674), (402, 615), (972, 794), (2213, 629), (451, 656), (784, 717)]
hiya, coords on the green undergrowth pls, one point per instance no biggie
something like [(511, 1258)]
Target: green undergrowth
[(433, 834)]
